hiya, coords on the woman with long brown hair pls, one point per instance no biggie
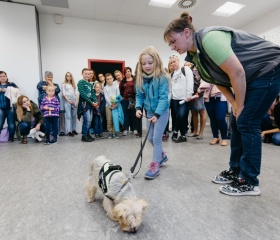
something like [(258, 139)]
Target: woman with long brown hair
[(28, 116)]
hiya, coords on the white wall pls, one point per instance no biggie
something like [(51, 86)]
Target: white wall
[(68, 46), (19, 47), (264, 25)]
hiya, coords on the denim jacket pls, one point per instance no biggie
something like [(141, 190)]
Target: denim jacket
[(153, 95)]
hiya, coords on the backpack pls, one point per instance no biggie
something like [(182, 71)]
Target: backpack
[(195, 82)]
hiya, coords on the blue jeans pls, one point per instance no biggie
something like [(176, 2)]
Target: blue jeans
[(276, 139), (70, 116), (51, 125), (182, 114), (87, 116), (155, 134), (10, 115), (98, 124), (217, 110), (246, 142), (25, 127)]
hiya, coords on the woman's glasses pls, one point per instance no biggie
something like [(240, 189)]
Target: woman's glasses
[(171, 43)]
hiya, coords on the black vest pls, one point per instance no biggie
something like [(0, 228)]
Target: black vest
[(256, 55)]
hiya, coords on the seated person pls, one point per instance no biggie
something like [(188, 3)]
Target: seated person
[(271, 124), (28, 116)]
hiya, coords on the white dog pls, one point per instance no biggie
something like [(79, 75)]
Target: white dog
[(120, 201)]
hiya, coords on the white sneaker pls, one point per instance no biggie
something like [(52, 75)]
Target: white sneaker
[(124, 133), (135, 132)]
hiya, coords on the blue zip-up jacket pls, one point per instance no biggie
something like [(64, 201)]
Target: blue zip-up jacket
[(153, 95)]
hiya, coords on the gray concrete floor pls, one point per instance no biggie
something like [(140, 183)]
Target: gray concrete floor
[(41, 192)]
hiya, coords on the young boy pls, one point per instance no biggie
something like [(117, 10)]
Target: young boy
[(110, 93), (99, 111), (87, 102)]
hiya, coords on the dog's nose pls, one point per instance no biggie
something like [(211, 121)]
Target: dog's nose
[(134, 230)]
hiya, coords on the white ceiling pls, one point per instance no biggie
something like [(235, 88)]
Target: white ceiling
[(140, 13)]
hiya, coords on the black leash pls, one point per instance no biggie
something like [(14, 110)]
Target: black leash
[(132, 169)]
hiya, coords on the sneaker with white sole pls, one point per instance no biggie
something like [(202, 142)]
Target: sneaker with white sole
[(124, 133), (239, 187), (225, 177), (153, 170), (164, 159)]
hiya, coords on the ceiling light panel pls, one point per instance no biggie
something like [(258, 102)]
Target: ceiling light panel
[(228, 9), (55, 3), (162, 3)]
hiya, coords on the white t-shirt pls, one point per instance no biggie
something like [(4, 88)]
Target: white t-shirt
[(182, 86)]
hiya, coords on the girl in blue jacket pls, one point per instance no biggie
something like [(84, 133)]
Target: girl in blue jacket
[(152, 88)]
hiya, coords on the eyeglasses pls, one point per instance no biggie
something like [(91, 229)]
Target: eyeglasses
[(171, 43)]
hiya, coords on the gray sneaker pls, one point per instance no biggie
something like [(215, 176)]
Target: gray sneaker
[(225, 177), (239, 187)]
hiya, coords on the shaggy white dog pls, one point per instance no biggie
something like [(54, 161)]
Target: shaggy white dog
[(120, 201)]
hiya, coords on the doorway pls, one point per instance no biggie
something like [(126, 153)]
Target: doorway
[(106, 66)]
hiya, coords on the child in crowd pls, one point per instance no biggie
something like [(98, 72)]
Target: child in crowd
[(87, 102), (71, 96), (152, 82), (6, 109), (51, 106), (99, 111), (110, 92)]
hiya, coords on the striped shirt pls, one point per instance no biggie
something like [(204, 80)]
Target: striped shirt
[(86, 91), (51, 103)]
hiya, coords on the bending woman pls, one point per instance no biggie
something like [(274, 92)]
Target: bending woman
[(249, 65)]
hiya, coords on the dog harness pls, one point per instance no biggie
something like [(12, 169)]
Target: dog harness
[(105, 175)]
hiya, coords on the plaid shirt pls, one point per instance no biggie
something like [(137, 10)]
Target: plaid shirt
[(4, 101), (51, 103)]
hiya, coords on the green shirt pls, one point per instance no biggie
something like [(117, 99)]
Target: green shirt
[(217, 44), (86, 91)]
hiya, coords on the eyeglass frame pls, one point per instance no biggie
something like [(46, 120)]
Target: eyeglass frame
[(171, 43)]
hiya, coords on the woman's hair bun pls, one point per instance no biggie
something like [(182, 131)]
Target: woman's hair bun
[(185, 15)]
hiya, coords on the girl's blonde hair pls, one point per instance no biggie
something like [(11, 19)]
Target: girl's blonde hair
[(72, 80), (159, 70), (20, 109), (50, 87), (97, 83)]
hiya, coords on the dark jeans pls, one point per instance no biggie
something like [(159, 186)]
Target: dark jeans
[(182, 112), (173, 115), (87, 118), (98, 124), (25, 127), (51, 125), (10, 115), (246, 142), (217, 111), (129, 116)]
